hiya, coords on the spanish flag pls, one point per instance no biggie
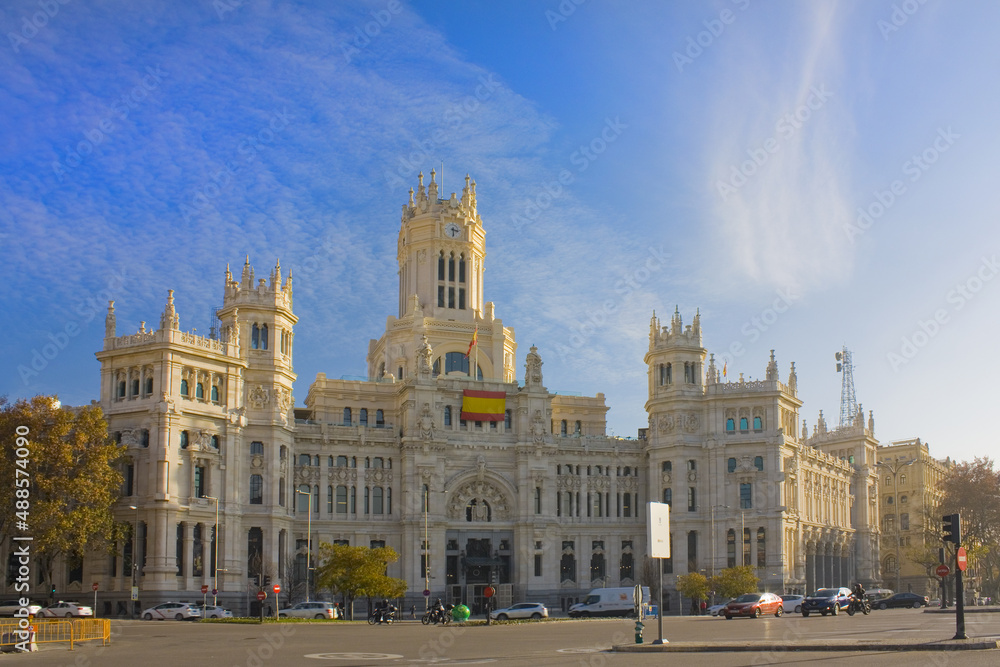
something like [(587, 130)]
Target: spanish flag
[(472, 343), (724, 365), (483, 406)]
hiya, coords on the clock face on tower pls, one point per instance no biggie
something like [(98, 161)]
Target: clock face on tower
[(452, 230)]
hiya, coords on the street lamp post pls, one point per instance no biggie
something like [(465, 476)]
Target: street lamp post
[(215, 578), (135, 563), (308, 537), (894, 469)]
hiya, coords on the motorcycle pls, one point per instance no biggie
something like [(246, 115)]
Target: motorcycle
[(863, 605), (380, 616), (435, 616)]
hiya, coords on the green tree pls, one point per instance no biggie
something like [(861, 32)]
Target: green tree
[(735, 581), (694, 586), (74, 482), (358, 572)]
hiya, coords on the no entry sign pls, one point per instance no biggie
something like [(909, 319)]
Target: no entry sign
[(942, 570)]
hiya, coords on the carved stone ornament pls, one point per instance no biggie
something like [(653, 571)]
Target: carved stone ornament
[(537, 428), (491, 503), (424, 354), (237, 416), (284, 398), (258, 397), (426, 422), (666, 424), (691, 422)]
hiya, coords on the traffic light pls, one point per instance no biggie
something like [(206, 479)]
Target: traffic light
[(952, 528), (267, 580), (53, 589)]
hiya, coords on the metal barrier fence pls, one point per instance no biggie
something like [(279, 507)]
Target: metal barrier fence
[(45, 630)]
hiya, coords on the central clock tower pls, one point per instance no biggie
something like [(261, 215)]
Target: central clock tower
[(440, 252)]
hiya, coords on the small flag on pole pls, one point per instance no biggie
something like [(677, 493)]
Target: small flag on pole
[(472, 343), (724, 364)]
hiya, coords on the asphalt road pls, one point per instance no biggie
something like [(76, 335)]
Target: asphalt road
[(582, 643)]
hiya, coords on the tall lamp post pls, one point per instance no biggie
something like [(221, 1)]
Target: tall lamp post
[(135, 562), (215, 577), (308, 537), (894, 469), (712, 559)]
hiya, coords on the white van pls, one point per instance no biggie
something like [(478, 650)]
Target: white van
[(609, 602)]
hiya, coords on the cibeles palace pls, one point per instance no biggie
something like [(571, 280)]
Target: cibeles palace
[(541, 498)]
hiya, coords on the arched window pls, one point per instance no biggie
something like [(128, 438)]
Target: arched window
[(184, 440), (302, 498), (341, 461), (149, 386), (692, 465), (744, 424), (304, 459), (758, 424), (667, 466), (256, 448), (731, 465), (256, 490), (902, 480), (377, 500), (758, 463), (215, 442), (363, 417), (379, 418), (199, 390), (184, 387), (135, 387), (347, 416), (378, 462), (668, 496), (215, 394), (447, 415), (121, 389), (441, 269), (461, 268), (263, 337), (281, 491), (254, 337), (562, 427), (506, 419), (144, 441), (578, 427), (730, 425)]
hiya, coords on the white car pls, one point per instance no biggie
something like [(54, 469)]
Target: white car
[(716, 608), (791, 604), (309, 610), (178, 611), (213, 612), (10, 607), (66, 610), (535, 610)]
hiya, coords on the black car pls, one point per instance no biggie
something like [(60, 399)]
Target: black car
[(902, 600), (827, 601)]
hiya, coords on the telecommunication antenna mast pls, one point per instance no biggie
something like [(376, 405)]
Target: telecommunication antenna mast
[(848, 404)]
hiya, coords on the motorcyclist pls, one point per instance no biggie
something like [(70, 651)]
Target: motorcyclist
[(438, 609), (859, 594)]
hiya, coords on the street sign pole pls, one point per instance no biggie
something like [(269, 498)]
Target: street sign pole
[(960, 563), (95, 599)]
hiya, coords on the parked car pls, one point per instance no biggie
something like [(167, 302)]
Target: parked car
[(902, 600), (213, 612), (535, 610), (10, 607), (827, 601), (792, 603), (178, 611), (66, 609), (753, 605), (876, 594), (309, 610)]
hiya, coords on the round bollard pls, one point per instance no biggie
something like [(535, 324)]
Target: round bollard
[(461, 613), (638, 632)]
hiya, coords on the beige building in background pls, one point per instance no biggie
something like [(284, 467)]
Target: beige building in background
[(909, 501)]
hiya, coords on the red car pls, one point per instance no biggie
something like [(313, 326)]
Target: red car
[(753, 605)]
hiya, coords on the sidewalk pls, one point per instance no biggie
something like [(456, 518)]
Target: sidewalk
[(971, 644)]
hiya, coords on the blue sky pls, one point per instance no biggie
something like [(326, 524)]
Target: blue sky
[(809, 175)]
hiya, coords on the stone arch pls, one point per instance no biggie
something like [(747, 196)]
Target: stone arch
[(481, 497)]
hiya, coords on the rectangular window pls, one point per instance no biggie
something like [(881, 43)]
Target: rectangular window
[(692, 551), (256, 448), (692, 500), (461, 298), (538, 565), (627, 505), (129, 485), (341, 500), (538, 499), (377, 544), (256, 490), (440, 296), (746, 496), (199, 481), (451, 297)]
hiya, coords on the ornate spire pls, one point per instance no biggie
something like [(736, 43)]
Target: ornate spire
[(871, 423), (169, 319), (110, 322), (247, 277), (432, 189), (772, 368), (713, 375), (793, 379)]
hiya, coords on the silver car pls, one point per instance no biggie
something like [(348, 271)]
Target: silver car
[(310, 610), (535, 610)]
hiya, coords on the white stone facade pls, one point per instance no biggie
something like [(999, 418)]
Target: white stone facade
[(544, 500)]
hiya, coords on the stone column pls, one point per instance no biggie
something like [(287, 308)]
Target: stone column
[(188, 565), (206, 554)]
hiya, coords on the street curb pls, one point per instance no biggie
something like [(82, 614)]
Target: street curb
[(840, 646)]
